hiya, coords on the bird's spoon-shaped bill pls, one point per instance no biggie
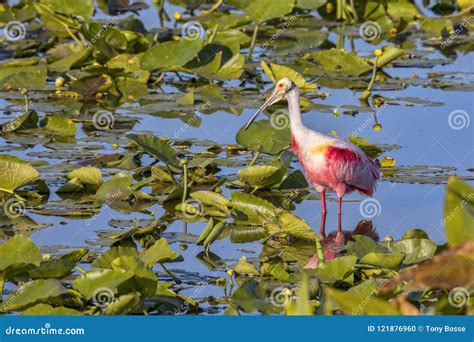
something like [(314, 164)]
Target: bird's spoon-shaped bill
[(274, 97)]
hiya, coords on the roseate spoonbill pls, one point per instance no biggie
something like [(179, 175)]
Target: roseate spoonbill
[(330, 163)]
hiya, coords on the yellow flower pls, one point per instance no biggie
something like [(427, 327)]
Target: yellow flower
[(393, 32), (177, 15), (379, 101), (230, 272), (176, 38), (329, 7), (388, 238), (378, 52), (377, 127), (115, 146), (59, 82)]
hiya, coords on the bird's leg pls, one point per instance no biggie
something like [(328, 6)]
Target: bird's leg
[(322, 226), (339, 236)]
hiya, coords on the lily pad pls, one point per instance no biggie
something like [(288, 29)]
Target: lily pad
[(261, 136), (15, 173)]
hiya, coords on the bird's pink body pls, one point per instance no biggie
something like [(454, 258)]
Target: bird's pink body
[(334, 164)]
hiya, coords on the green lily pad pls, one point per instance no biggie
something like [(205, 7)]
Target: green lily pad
[(261, 136), (158, 253), (22, 122), (357, 304), (105, 259), (59, 125), (385, 260), (170, 54), (336, 270), (340, 62), (250, 296), (458, 211), (264, 10), (15, 173), (363, 245), (416, 250), (115, 188), (18, 252), (34, 292), (90, 176), (243, 267), (49, 310), (276, 72), (156, 147)]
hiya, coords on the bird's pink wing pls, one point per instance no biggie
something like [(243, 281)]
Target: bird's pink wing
[(350, 165)]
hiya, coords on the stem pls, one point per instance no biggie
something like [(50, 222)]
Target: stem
[(354, 13), (374, 73), (340, 41), (2, 281), (255, 157), (171, 174), (365, 95), (185, 180), (254, 39), (171, 274), (214, 7), (320, 250), (80, 269)]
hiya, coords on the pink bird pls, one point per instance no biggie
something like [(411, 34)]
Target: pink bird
[(330, 163)]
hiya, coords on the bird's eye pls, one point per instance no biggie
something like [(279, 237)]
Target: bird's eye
[(280, 85)]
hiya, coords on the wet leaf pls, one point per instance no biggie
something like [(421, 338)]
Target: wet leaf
[(22, 122), (264, 10), (170, 54), (261, 136), (18, 252), (34, 292), (15, 173), (90, 176), (115, 188), (59, 125), (49, 310), (156, 147), (243, 267), (458, 211), (158, 253), (385, 260), (250, 296), (336, 270), (416, 250), (357, 304)]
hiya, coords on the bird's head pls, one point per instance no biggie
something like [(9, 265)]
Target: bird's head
[(282, 88)]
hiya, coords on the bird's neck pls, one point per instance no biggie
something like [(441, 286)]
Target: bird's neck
[(297, 126)]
